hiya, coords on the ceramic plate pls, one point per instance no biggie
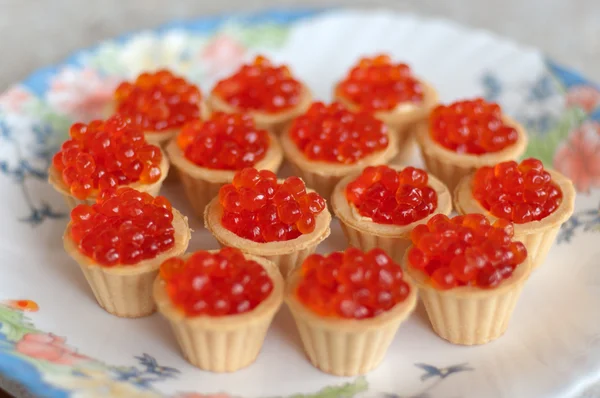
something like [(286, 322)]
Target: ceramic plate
[(71, 347)]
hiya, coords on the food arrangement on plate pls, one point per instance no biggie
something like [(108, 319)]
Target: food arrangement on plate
[(468, 270)]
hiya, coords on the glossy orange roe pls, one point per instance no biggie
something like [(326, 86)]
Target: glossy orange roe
[(332, 133), (260, 86), (106, 154), (471, 126), (517, 192), (465, 251), (257, 207), (392, 197), (377, 84), (224, 142), (158, 101), (123, 227), (351, 284), (215, 284)]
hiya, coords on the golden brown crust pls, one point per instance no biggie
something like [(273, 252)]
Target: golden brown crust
[(348, 214)]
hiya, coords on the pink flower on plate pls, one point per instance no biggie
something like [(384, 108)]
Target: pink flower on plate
[(584, 97), (579, 157), (82, 94), (222, 52), (48, 347), (14, 98)]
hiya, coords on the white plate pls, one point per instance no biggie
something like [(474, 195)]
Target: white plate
[(552, 348)]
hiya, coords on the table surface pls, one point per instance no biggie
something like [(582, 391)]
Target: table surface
[(44, 32)]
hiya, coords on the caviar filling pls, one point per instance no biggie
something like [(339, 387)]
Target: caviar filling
[(106, 154), (517, 192), (158, 101), (257, 207), (377, 83), (351, 284), (123, 227), (215, 284), (465, 251), (224, 142), (260, 86), (332, 133), (473, 126), (388, 196)]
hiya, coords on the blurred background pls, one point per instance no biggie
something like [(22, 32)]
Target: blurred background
[(35, 33)]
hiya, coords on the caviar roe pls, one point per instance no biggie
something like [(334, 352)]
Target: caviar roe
[(224, 142), (376, 83), (257, 207), (158, 101), (215, 284), (351, 284), (123, 227), (388, 196), (106, 154), (517, 192), (332, 133), (260, 86), (471, 126), (465, 251)]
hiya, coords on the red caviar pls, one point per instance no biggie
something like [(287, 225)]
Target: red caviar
[(465, 251), (351, 284), (106, 154), (389, 196), (471, 126), (517, 192), (224, 142), (257, 207), (158, 101), (260, 86), (332, 133), (123, 227), (377, 83), (216, 284)]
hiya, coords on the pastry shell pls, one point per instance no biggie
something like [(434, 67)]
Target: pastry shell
[(201, 184), (126, 290), (537, 236), (346, 347), (365, 234), (223, 343)]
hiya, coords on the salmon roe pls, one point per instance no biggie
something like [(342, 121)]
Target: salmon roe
[(471, 126), (517, 192), (257, 207), (351, 284), (388, 196), (376, 83), (123, 227), (106, 154), (158, 101), (260, 86), (465, 251), (224, 142), (215, 284), (332, 133)]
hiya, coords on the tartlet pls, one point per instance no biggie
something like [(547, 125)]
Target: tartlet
[(538, 235), (469, 314), (323, 174), (366, 234), (271, 105), (450, 166), (402, 111), (125, 290), (286, 249), (201, 184), (222, 343), (351, 344)]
